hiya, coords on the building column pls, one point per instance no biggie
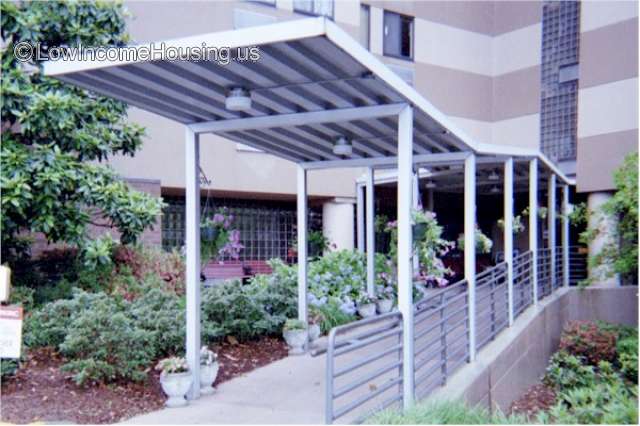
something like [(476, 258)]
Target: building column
[(416, 203), (533, 225), (508, 232), (565, 236), (302, 242), (551, 220), (337, 222), (470, 246), (405, 243), (192, 244), (606, 226), (360, 217), (371, 232)]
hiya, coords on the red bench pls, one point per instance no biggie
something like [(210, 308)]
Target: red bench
[(234, 269)]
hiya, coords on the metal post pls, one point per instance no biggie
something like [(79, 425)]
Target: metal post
[(371, 233), (470, 246), (360, 217), (415, 202), (192, 243), (508, 232), (302, 243), (533, 225), (565, 235), (551, 218), (405, 281)]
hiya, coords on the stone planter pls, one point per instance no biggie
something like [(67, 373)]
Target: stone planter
[(296, 340), (175, 386), (314, 332), (384, 305), (208, 374), (367, 310)]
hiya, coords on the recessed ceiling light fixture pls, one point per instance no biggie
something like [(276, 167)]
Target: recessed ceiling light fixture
[(343, 147), (494, 176), (238, 99)]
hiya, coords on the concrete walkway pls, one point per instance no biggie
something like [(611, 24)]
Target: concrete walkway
[(289, 391)]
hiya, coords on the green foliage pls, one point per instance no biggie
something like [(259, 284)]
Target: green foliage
[(566, 371), (445, 413), (620, 254), (54, 135), (294, 324), (217, 238), (332, 316), (23, 296), (8, 367), (580, 215), (104, 344)]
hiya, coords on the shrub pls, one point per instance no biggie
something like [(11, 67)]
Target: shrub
[(332, 316), (587, 340), (105, 344), (23, 296), (8, 367), (445, 413), (236, 311), (566, 371)]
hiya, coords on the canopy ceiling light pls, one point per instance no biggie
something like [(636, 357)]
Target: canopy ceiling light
[(430, 184), (494, 176), (343, 147), (238, 99)]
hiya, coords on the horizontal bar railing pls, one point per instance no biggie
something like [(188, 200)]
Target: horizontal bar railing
[(492, 303), (578, 264), (441, 336), (522, 282), (544, 273), (364, 368)]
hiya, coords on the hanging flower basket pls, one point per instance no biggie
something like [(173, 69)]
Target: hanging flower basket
[(210, 233), (419, 230)]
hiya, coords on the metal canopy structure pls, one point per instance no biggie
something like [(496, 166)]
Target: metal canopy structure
[(311, 85)]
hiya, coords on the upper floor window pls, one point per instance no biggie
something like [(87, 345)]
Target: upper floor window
[(314, 7), (398, 35), (365, 19)]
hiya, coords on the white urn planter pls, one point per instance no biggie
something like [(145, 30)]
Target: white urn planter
[(314, 332), (295, 340), (208, 374), (367, 310), (175, 386), (384, 305)]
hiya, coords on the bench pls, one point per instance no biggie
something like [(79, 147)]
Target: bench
[(215, 272)]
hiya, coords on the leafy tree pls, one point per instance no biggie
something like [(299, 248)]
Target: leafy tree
[(55, 136), (620, 253)]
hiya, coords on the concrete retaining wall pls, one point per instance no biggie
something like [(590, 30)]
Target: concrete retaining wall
[(518, 358)]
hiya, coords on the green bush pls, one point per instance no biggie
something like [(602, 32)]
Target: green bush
[(8, 367), (445, 413), (331, 316), (104, 344), (567, 372), (23, 296)]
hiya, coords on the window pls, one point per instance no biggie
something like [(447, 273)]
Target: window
[(365, 22), (269, 2), (398, 35), (314, 7)]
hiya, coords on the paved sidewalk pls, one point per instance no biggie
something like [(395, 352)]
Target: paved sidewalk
[(289, 391)]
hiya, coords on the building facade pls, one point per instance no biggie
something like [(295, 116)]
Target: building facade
[(557, 75)]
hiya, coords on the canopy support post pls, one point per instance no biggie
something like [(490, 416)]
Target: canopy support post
[(565, 236), (405, 279), (192, 242), (551, 218), (470, 247), (370, 230), (302, 243), (360, 229), (508, 232), (533, 225)]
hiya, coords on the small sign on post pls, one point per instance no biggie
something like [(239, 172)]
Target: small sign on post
[(10, 331)]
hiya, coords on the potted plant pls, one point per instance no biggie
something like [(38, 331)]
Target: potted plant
[(385, 300), (295, 334), (366, 306), (208, 370), (175, 380), (314, 325)]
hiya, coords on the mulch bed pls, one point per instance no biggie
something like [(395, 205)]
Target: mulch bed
[(536, 399), (41, 392)]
